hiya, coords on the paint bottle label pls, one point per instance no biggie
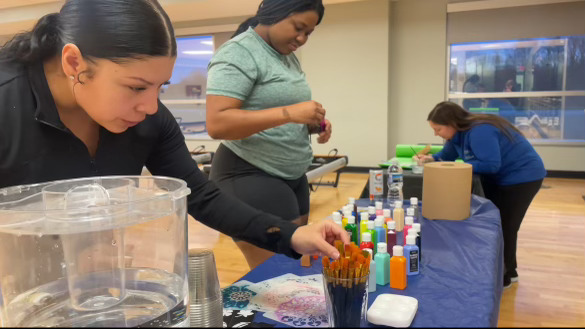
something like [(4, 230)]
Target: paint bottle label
[(413, 261)]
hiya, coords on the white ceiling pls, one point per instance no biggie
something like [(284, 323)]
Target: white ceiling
[(19, 3), (20, 15)]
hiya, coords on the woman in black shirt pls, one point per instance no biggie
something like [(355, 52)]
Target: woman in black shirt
[(79, 97)]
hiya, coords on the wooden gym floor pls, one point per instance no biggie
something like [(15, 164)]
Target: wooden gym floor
[(551, 252)]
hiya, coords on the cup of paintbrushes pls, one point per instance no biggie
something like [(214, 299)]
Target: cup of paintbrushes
[(345, 283)]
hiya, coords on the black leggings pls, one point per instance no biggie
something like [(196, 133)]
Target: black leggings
[(512, 201), (287, 199)]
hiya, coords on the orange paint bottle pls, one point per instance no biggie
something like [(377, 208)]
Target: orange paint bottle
[(398, 278)]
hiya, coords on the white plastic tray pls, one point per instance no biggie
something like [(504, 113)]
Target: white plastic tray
[(393, 310)]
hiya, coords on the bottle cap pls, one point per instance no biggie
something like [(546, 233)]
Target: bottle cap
[(379, 221), (382, 247), (365, 216), (379, 205), (346, 213), (336, 215), (386, 212), (416, 227), (351, 200), (410, 211), (397, 251), (391, 225), (371, 225), (366, 237), (408, 220), (350, 219), (371, 210), (414, 201), (397, 204), (411, 239)]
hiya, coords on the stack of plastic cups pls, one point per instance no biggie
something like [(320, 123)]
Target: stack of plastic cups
[(206, 304)]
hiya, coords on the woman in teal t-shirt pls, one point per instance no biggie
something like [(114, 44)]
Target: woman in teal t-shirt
[(260, 104)]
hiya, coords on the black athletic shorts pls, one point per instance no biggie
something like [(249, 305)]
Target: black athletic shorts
[(287, 199)]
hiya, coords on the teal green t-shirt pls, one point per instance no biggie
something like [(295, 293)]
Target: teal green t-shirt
[(248, 69)]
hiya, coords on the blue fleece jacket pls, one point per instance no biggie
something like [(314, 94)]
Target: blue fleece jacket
[(493, 154)]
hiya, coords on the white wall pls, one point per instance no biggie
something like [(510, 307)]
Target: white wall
[(21, 15), (569, 158), (417, 69), (346, 63)]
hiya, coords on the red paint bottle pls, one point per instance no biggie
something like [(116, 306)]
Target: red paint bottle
[(366, 241)]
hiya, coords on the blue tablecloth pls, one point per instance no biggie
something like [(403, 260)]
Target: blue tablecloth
[(460, 284)]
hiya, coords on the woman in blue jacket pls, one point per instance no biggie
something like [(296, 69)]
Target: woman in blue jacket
[(511, 170)]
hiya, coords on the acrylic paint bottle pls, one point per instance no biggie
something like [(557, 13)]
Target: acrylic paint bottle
[(346, 215), (414, 207), (380, 231), (411, 254), (414, 234), (366, 241), (372, 212), (336, 216), (364, 224), (360, 210), (378, 206), (350, 207), (408, 221), (410, 212), (398, 216), (391, 237), (398, 278), (372, 276), (387, 213), (351, 201), (372, 231), (416, 228), (351, 229), (382, 265)]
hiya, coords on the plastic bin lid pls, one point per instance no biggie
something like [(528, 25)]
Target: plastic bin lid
[(89, 204)]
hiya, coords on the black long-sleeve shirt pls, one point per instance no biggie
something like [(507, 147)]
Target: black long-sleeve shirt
[(35, 147)]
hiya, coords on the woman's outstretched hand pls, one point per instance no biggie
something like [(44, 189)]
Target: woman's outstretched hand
[(318, 239)]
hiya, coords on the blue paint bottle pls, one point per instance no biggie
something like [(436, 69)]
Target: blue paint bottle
[(411, 254), (416, 228), (380, 230)]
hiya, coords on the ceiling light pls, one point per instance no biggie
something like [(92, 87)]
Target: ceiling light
[(207, 42)]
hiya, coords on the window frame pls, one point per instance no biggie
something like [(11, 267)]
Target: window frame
[(521, 94)]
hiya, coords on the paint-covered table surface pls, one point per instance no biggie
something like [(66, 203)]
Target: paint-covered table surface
[(461, 274)]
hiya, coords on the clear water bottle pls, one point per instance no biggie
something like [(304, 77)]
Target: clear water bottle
[(395, 182)]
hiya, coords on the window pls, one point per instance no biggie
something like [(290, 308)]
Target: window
[(536, 84), (185, 95)]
